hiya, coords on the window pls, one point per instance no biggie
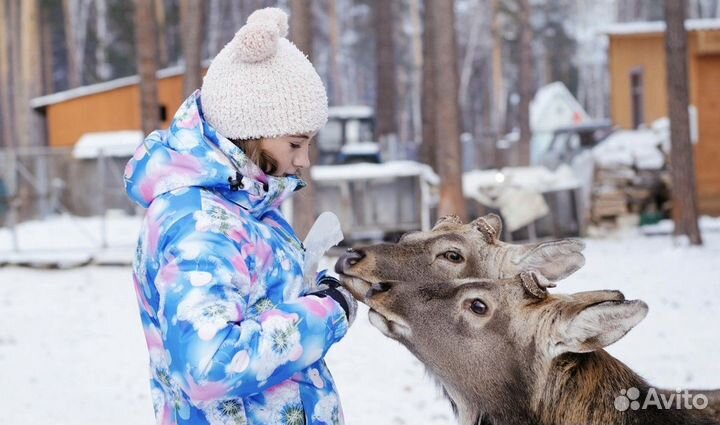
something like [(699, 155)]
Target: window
[(636, 97)]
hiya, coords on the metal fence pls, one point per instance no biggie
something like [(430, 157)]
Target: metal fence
[(39, 182)]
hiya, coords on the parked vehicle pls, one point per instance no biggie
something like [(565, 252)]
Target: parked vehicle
[(569, 142), (348, 136)]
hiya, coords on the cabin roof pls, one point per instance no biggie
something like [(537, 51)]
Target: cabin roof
[(65, 95), (653, 27)]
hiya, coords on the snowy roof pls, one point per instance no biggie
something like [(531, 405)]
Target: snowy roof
[(390, 169), (62, 96), (633, 28), (350, 111), (110, 143), (640, 148), (360, 148), (536, 178)]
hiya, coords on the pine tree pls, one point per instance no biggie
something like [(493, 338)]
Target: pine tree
[(682, 165)]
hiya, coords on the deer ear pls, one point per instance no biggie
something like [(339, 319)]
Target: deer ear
[(490, 225), (555, 259), (447, 219), (598, 325)]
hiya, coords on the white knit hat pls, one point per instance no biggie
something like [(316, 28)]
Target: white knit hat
[(261, 85)]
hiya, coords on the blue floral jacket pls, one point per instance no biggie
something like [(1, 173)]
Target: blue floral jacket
[(233, 339)]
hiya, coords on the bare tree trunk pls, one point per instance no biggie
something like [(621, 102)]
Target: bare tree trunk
[(304, 202), (301, 25), (214, 27), (468, 62), (237, 15), (46, 52), (487, 133), (499, 95), (682, 166), (428, 98), (163, 56), (15, 57), (191, 16), (29, 124), (525, 76), (73, 72), (6, 92), (103, 37), (386, 87), (335, 89), (76, 16), (146, 47), (448, 148), (416, 93)]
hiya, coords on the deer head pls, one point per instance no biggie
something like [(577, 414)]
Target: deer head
[(492, 342), (453, 250)]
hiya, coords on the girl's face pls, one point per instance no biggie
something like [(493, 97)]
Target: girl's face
[(292, 153)]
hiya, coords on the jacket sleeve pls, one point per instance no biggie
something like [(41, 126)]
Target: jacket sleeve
[(217, 346)]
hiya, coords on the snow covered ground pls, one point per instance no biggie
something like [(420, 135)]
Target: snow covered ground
[(72, 352), (67, 241)]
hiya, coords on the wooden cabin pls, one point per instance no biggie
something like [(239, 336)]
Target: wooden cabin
[(638, 94), (109, 106)]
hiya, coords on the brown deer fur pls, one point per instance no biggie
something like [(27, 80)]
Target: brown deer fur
[(524, 359)]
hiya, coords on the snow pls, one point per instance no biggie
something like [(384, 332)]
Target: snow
[(75, 93), (76, 241), (73, 352), (665, 227), (676, 345), (360, 148), (350, 112), (632, 28), (535, 178), (109, 143), (388, 169), (661, 126), (628, 148)]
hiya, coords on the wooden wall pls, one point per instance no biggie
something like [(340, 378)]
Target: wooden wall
[(707, 151), (116, 109), (629, 53)]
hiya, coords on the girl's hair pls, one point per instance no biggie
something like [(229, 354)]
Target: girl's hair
[(260, 157)]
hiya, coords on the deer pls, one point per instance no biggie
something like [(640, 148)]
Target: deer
[(452, 250), (506, 351)]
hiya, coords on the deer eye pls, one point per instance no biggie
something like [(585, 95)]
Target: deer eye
[(453, 256), (478, 307)]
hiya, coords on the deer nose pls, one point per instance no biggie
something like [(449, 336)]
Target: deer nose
[(347, 260)]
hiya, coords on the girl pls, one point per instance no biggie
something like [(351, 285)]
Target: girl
[(233, 336)]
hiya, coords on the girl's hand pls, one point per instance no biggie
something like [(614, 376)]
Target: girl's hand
[(330, 287)]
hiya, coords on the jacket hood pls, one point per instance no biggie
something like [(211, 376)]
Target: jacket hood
[(192, 153)]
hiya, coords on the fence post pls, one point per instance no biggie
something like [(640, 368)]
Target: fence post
[(41, 173), (103, 207), (12, 188)]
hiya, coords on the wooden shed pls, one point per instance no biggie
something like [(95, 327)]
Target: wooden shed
[(109, 106), (638, 94)]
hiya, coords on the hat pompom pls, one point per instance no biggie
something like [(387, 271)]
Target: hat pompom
[(256, 41), (271, 14)]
